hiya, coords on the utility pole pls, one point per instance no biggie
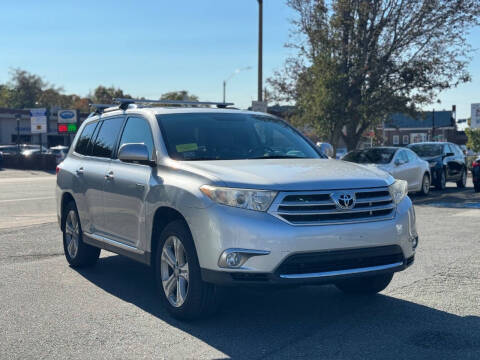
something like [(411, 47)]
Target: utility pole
[(433, 125), (260, 49), (18, 116)]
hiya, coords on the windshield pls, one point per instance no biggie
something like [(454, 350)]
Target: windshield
[(370, 156), (427, 150), (227, 136)]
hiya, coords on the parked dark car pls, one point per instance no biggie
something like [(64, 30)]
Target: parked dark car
[(476, 174), (446, 160)]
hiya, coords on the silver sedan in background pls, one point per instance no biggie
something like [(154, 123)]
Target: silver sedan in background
[(401, 163)]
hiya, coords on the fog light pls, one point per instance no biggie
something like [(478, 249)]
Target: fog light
[(414, 241), (233, 259)]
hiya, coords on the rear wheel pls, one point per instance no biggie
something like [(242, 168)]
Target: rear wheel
[(365, 285), (177, 273), (78, 253), (463, 180), (425, 185)]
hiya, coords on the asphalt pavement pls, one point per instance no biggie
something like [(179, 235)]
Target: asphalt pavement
[(49, 310)]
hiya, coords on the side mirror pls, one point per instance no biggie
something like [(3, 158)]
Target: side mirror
[(135, 153), (449, 154), (398, 162)]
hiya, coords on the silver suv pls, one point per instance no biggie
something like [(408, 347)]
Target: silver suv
[(212, 197)]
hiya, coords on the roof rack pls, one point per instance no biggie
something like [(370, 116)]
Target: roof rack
[(100, 108), (125, 102)]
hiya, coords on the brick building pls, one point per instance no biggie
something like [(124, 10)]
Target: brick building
[(401, 129)]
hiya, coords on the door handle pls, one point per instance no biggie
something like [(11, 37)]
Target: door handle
[(140, 187), (109, 175), (79, 171)]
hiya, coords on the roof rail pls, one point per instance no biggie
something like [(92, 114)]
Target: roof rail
[(100, 108), (125, 102)]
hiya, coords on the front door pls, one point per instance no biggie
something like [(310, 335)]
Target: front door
[(126, 188)]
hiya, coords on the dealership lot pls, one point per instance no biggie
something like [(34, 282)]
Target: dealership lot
[(48, 310)]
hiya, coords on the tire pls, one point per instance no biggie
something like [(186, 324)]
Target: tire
[(425, 190), (186, 296), (442, 181), (365, 285), (476, 187), (78, 253), (463, 181)]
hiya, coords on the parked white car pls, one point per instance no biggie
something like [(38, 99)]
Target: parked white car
[(401, 163)]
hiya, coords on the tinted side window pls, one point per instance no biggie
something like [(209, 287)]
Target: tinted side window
[(402, 156), (137, 131), (107, 137), (84, 139)]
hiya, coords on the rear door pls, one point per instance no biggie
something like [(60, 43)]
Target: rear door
[(95, 170), (415, 173), (127, 186), (402, 169)]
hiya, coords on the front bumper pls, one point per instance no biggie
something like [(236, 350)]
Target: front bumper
[(322, 277), (218, 228)]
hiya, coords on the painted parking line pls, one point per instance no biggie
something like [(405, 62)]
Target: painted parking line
[(28, 199)]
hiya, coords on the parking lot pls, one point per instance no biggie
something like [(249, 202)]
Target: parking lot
[(49, 310)]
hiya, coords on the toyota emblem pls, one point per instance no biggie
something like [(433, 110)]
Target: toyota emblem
[(344, 200)]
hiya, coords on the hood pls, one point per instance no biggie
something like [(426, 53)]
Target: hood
[(289, 174), (383, 167)]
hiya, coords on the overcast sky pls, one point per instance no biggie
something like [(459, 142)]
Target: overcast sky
[(150, 47)]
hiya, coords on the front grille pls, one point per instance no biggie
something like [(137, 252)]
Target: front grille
[(319, 208), (337, 260)]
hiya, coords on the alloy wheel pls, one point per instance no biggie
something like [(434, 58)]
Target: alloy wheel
[(464, 178), (72, 234), (174, 271), (426, 184)]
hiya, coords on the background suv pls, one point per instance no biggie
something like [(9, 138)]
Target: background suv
[(447, 162), (212, 197)]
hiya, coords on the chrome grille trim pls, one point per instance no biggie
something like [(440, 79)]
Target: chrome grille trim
[(373, 204)]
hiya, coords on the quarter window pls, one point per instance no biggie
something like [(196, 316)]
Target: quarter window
[(137, 131), (104, 143), (84, 139)]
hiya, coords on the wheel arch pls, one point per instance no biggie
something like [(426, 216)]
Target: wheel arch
[(163, 216), (66, 198)]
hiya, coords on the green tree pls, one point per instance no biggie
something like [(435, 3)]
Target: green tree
[(358, 61), (179, 95), (105, 95), (473, 136)]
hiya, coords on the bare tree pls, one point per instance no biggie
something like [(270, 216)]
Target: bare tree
[(360, 60)]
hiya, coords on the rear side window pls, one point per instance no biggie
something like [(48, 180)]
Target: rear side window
[(106, 139), (411, 155), (84, 139), (137, 131)]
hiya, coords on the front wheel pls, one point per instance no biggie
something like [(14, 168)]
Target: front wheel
[(425, 185), (177, 273), (78, 253), (463, 180), (365, 285), (442, 181)]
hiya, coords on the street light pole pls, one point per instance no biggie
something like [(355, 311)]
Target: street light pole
[(260, 49), (230, 77)]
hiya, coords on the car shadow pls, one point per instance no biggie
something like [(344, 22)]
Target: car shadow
[(311, 322), (451, 197)]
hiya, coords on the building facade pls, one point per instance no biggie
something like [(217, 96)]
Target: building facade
[(401, 129), (16, 124)]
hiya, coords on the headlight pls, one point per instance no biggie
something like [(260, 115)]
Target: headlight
[(398, 190), (259, 200)]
